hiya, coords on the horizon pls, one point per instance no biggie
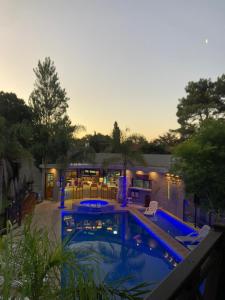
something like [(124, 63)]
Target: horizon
[(118, 61)]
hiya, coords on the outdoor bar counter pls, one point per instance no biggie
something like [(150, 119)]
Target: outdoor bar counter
[(93, 191)]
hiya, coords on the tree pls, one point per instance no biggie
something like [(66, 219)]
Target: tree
[(99, 142), (16, 131), (138, 141), (116, 138), (62, 145), (13, 159), (153, 148), (128, 155), (167, 141), (200, 161), (14, 109), (48, 100), (49, 105), (204, 100)]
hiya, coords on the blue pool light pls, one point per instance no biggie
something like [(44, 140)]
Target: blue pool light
[(127, 247), (169, 249), (97, 203), (170, 224)]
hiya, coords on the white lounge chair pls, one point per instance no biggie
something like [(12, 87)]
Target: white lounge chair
[(151, 210), (194, 237)]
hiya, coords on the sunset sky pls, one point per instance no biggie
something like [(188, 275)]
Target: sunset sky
[(124, 60)]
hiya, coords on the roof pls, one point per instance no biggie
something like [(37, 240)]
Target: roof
[(154, 162)]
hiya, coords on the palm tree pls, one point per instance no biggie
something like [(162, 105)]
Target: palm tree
[(129, 155), (69, 151)]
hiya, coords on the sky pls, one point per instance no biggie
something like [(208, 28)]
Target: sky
[(119, 60)]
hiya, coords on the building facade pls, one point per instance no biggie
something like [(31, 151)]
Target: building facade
[(144, 183)]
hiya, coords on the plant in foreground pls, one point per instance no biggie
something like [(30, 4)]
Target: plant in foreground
[(31, 266)]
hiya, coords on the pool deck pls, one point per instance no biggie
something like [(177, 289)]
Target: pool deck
[(47, 215)]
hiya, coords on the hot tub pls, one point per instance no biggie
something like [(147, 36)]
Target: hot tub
[(94, 205)]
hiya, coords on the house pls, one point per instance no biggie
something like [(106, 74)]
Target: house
[(89, 180)]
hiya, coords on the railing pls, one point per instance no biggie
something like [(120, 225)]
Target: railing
[(201, 275), (16, 211), (200, 216)]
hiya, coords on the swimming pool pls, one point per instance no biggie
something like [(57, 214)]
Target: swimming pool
[(170, 224), (125, 247)]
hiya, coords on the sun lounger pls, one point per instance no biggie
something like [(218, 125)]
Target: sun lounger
[(194, 237), (151, 210)]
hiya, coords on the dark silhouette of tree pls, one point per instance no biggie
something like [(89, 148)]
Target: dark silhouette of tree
[(53, 129), (204, 100), (14, 109), (138, 141), (127, 155), (49, 104), (116, 138), (48, 100), (167, 141), (201, 161), (99, 142)]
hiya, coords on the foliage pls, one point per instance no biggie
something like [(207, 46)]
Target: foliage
[(167, 141), (48, 100), (12, 153), (99, 142), (31, 268), (201, 160), (116, 138), (14, 110), (128, 155), (53, 129), (204, 100), (138, 141)]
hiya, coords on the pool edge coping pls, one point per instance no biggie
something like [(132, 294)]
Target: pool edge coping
[(172, 244)]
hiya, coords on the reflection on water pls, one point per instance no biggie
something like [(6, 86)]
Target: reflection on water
[(124, 247)]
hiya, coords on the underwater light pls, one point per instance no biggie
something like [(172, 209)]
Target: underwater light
[(166, 255), (115, 232)]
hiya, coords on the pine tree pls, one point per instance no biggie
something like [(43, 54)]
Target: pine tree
[(49, 104), (48, 100), (116, 138)]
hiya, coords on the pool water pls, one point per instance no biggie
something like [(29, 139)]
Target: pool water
[(97, 203), (170, 224), (124, 246)]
